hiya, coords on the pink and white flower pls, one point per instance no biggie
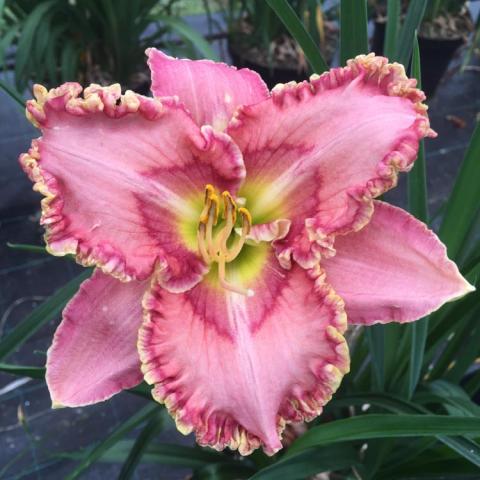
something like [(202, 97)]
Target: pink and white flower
[(234, 231)]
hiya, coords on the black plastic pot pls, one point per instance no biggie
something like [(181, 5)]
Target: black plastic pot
[(271, 76), (435, 56)]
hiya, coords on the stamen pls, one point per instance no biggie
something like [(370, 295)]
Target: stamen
[(228, 286), (246, 227), (214, 248)]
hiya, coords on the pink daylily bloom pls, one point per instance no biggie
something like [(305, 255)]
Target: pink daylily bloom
[(234, 231)]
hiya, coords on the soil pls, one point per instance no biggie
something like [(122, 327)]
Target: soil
[(283, 52), (447, 27)]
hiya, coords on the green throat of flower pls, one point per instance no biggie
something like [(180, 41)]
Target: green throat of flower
[(214, 244)]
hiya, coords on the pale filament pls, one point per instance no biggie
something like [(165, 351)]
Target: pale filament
[(213, 248)]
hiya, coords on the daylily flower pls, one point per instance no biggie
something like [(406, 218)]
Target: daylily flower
[(245, 224)]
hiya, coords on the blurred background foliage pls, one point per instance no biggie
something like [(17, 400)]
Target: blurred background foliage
[(409, 409)]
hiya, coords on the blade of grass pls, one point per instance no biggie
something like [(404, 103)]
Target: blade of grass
[(353, 29), (385, 426), (418, 206), (185, 31), (40, 316), (23, 370), (27, 248), (376, 341), (13, 93), (464, 201), (296, 28), (414, 17), (310, 462), (118, 433), (391, 31), (153, 426), (465, 447)]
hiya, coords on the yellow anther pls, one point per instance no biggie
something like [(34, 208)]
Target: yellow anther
[(214, 248), (229, 207), (246, 219)]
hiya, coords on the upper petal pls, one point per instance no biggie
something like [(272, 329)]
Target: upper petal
[(119, 173), (211, 91), (317, 152), (234, 369), (394, 269), (93, 355)]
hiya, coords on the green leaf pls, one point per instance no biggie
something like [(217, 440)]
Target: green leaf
[(154, 425), (47, 311), (464, 201), (23, 370), (310, 462), (419, 332), (27, 248), (386, 426), (376, 341), (223, 471), (26, 41), (418, 206), (416, 179), (188, 33), (296, 28), (13, 93), (167, 454), (353, 29), (391, 31), (414, 17), (118, 433), (463, 446)]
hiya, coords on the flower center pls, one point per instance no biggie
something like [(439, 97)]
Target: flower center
[(213, 245)]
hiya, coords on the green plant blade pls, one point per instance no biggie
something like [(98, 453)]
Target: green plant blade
[(296, 28), (463, 446), (188, 33), (391, 31), (13, 93), (310, 462), (223, 471), (417, 178), (414, 17), (118, 433), (23, 370), (464, 201), (168, 454), (153, 426), (418, 206), (353, 29), (40, 316), (27, 248), (386, 426), (376, 341)]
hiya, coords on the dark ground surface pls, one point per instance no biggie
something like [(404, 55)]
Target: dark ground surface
[(27, 279)]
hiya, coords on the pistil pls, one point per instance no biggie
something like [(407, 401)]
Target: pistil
[(214, 247)]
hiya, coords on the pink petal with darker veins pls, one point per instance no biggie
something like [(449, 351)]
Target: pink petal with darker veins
[(117, 174), (318, 152), (235, 369), (211, 91), (393, 270), (94, 354)]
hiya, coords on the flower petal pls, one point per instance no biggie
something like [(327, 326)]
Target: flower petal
[(317, 152), (234, 369), (394, 269), (211, 91), (118, 173), (93, 355)]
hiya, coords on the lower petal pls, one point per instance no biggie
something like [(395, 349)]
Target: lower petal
[(394, 269), (234, 369), (93, 355)]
